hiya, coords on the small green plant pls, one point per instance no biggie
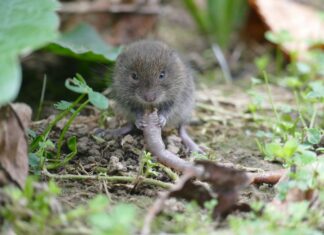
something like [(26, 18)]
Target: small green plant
[(262, 63), (278, 38), (295, 219), (35, 210), (43, 152), (192, 220), (218, 19), (293, 137), (147, 165)]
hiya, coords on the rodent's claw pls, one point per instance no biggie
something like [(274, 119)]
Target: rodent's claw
[(140, 123)]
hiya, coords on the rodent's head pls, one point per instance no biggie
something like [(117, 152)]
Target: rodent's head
[(148, 73)]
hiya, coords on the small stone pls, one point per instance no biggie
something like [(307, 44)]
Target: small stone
[(91, 159), (94, 152), (173, 149), (82, 145), (115, 165), (174, 144), (128, 139)]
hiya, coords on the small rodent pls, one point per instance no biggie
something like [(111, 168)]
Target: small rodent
[(149, 74)]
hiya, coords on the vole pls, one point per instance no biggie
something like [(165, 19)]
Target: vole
[(149, 74)]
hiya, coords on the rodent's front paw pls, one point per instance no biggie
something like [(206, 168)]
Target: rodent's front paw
[(162, 121), (140, 123)]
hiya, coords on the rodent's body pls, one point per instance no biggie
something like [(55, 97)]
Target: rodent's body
[(148, 74)]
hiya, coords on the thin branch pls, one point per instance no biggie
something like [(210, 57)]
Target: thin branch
[(159, 202), (268, 177), (111, 179)]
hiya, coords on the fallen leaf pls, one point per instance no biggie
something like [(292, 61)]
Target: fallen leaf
[(303, 24), (14, 120), (224, 184)]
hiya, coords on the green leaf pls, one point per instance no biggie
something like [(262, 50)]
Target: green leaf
[(54, 188), (98, 100), (124, 214), (102, 222), (274, 149), (63, 105), (290, 148), (317, 90), (298, 211), (10, 78), (283, 36), (98, 203), (313, 135), (303, 68), (86, 44), (291, 81), (77, 85), (306, 157), (24, 26), (72, 144), (34, 161), (223, 17)]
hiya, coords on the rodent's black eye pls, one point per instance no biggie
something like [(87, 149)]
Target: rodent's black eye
[(134, 76), (162, 75)]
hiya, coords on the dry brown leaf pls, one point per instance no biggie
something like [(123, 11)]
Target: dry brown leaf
[(13, 143), (303, 23), (217, 182)]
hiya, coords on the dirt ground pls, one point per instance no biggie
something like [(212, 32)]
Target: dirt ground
[(220, 122)]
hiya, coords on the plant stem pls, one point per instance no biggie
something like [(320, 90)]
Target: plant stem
[(279, 60), (67, 126), (41, 100), (112, 179), (56, 165), (313, 119), (299, 110), (174, 176), (270, 97), (61, 115)]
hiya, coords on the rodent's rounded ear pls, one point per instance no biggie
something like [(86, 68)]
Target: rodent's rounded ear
[(121, 58)]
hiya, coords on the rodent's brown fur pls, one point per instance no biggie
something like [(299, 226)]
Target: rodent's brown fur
[(174, 93)]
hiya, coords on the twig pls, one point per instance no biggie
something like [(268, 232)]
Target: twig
[(104, 183), (112, 179), (158, 204), (269, 177)]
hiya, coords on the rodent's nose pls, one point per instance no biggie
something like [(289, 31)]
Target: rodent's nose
[(149, 97)]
